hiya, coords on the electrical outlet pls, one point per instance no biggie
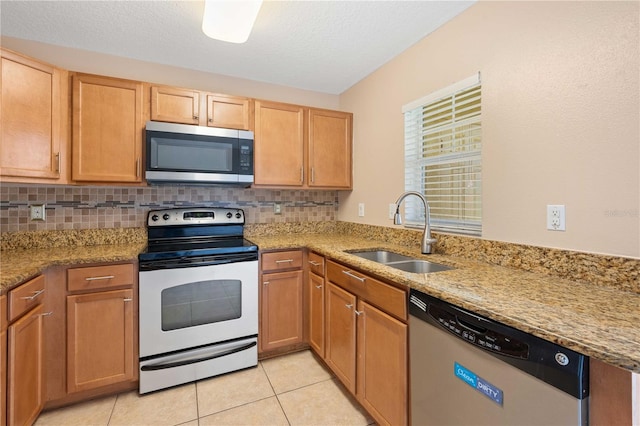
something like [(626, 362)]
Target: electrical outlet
[(392, 210), (361, 209), (555, 217), (277, 208), (37, 211)]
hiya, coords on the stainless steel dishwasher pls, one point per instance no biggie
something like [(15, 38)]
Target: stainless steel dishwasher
[(470, 370)]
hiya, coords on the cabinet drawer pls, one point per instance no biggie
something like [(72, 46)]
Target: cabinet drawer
[(316, 264), (25, 297), (388, 298), (100, 277), (280, 260)]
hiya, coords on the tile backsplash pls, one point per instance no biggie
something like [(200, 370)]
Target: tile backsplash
[(71, 207)]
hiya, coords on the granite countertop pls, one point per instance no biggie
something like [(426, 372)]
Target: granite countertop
[(17, 266), (597, 321)]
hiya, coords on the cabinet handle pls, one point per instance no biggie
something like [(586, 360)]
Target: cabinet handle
[(138, 167), (106, 277), (284, 261), (318, 286), (313, 175), (128, 299), (301, 174), (45, 314), (354, 276), (211, 120), (35, 294), (359, 312), (349, 305), (58, 162), (315, 263), (195, 117), (265, 283)]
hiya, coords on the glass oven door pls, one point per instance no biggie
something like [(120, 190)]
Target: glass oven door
[(194, 306)]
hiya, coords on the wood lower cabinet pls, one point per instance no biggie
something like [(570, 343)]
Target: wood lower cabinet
[(31, 144), (340, 352), (366, 341), (107, 129), (281, 289), (3, 360), (99, 339), (26, 353), (382, 365)]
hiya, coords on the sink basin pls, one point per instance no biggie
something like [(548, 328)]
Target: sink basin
[(402, 262), (419, 266), (381, 256)]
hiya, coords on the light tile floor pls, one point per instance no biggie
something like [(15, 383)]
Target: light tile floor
[(293, 389)]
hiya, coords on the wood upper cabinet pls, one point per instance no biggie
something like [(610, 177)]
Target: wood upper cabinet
[(302, 147), (175, 105), (279, 144), (186, 106), (231, 112), (30, 111), (107, 129), (329, 153)]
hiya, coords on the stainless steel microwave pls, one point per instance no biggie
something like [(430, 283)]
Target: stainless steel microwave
[(196, 155)]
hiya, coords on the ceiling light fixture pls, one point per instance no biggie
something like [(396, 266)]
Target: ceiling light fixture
[(230, 20)]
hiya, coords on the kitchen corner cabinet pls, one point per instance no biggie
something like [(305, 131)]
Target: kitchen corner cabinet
[(31, 142), (316, 295), (26, 352), (302, 147), (186, 106), (366, 341), (100, 326), (108, 123), (281, 299)]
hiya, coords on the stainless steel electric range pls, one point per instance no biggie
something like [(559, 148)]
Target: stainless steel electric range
[(198, 292)]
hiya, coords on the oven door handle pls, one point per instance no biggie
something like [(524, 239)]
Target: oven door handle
[(163, 366)]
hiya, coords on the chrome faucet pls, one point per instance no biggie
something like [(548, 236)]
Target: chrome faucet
[(427, 241)]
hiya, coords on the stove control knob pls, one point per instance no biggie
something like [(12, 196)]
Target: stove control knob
[(154, 218), (238, 215), (165, 216), (229, 215)]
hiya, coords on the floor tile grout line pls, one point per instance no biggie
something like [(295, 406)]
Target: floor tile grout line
[(113, 409), (275, 394)]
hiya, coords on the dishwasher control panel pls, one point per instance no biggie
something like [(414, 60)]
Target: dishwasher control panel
[(473, 332)]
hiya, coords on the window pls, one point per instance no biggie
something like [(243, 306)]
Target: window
[(443, 144)]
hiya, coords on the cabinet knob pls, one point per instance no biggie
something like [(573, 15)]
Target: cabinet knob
[(318, 286), (195, 117)]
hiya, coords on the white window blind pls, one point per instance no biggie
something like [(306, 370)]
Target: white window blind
[(443, 144)]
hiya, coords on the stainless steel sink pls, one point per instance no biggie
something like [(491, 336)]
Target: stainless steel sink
[(381, 256), (402, 262), (419, 266)]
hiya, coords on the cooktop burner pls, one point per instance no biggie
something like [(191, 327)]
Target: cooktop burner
[(195, 232)]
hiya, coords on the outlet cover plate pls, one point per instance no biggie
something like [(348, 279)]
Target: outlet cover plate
[(37, 212), (556, 217)]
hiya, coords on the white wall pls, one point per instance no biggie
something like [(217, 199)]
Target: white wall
[(561, 120)]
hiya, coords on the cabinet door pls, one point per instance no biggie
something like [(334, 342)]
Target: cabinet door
[(228, 111), (340, 342), (330, 137), (316, 313), (107, 129), (30, 116), (279, 144), (26, 368), (99, 339), (382, 365), (175, 105), (3, 360), (281, 314)]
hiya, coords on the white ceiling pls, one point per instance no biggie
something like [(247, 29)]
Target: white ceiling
[(324, 46)]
